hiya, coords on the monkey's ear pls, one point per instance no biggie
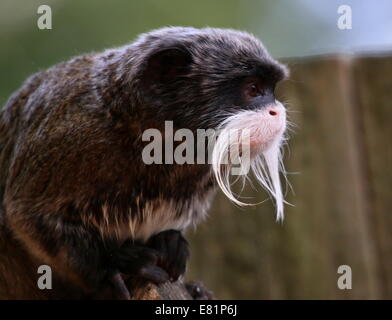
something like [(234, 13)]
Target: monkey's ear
[(165, 66)]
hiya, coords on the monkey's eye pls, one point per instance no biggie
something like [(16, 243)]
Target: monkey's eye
[(253, 89)]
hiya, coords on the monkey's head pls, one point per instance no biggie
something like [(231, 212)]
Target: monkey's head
[(216, 79)]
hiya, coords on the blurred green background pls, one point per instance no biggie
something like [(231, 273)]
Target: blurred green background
[(342, 190), (288, 28)]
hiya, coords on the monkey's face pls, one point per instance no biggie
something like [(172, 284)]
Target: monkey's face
[(201, 78), (253, 133), (258, 112), (220, 79)]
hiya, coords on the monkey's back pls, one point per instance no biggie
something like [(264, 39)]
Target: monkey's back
[(41, 123), (41, 118)]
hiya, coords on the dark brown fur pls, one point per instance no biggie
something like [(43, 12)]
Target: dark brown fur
[(70, 139)]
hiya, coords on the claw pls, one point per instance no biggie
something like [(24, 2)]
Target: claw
[(154, 274), (174, 252)]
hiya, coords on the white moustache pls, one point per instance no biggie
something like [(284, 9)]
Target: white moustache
[(258, 147)]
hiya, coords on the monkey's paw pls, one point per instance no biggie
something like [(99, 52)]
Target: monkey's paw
[(174, 252), (138, 261), (198, 291)]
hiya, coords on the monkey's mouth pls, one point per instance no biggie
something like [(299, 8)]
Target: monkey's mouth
[(256, 131), (255, 146), (265, 127), (247, 134)]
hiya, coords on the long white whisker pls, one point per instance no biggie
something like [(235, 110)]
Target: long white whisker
[(266, 167)]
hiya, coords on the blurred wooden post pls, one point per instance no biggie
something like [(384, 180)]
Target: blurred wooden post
[(373, 84), (342, 212)]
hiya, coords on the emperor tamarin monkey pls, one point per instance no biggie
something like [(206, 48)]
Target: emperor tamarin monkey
[(76, 194)]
